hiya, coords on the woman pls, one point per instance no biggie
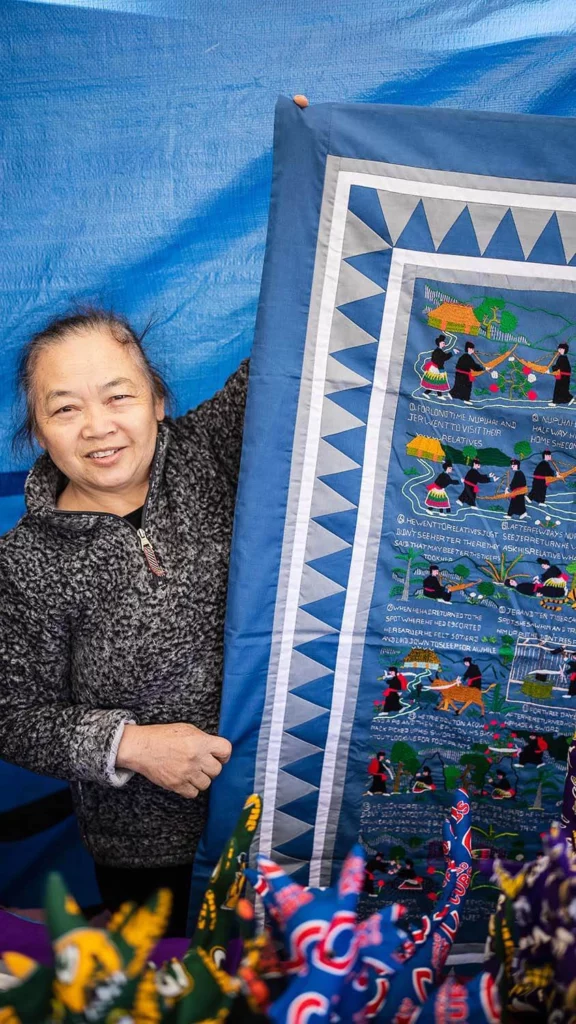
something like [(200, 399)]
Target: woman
[(435, 378), (112, 598), (437, 498)]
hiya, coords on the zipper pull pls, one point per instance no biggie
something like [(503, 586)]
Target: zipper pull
[(150, 555)]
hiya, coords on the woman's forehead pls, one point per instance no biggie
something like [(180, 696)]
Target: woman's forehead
[(92, 353)]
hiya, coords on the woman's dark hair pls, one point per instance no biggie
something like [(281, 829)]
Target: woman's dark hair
[(58, 329)]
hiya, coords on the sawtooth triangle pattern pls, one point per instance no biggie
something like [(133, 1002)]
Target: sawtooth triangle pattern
[(441, 214), (293, 749), (319, 692), (349, 442), (567, 224), (329, 611), (315, 729), (485, 219), (336, 567), (299, 711), (373, 265), (549, 247), (336, 420), (353, 400), (366, 313), (359, 237), (311, 627), (505, 243), (301, 846), (309, 769), (347, 484), (287, 828), (343, 524), (364, 203), (529, 225), (345, 334), (303, 807), (291, 789), (360, 357), (337, 379), (416, 234), (353, 285), (461, 238), (321, 542), (323, 651)]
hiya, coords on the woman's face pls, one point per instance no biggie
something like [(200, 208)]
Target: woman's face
[(93, 397)]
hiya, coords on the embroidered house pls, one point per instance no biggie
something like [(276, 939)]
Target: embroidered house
[(421, 658), (454, 316), (425, 448)]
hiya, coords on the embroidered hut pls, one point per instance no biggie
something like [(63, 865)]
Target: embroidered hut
[(454, 316), (421, 658), (425, 448)]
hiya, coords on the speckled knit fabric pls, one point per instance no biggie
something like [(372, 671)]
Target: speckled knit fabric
[(91, 638)]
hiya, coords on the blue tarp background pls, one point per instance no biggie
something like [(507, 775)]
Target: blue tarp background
[(135, 157)]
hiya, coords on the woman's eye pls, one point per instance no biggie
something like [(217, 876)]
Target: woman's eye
[(120, 396)]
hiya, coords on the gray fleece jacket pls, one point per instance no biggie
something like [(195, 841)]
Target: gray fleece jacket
[(91, 637)]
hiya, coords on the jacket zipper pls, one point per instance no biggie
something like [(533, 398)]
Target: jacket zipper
[(147, 549), (149, 553)]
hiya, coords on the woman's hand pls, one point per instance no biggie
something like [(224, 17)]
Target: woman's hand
[(178, 756)]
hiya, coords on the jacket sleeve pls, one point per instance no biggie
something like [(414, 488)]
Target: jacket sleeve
[(220, 420), (40, 727)]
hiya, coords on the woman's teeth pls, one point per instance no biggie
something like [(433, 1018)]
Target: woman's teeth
[(103, 455)]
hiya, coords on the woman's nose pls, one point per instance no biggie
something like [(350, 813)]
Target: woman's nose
[(97, 423)]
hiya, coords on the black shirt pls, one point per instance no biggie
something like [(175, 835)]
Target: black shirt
[(135, 517)]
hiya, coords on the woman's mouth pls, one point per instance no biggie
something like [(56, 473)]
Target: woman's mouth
[(105, 456)]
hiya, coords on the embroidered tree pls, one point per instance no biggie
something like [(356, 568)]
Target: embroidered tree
[(469, 452), (523, 449), (492, 312), (545, 785), (462, 571), (487, 591), (506, 649), (476, 767), (412, 561), (405, 761), (452, 776)]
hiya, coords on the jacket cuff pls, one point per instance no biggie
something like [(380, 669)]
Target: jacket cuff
[(118, 776), (94, 746)]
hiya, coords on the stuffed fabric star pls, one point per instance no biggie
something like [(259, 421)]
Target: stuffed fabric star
[(422, 958), (474, 1003), (26, 991), (323, 939), (207, 991), (96, 969), (540, 913)]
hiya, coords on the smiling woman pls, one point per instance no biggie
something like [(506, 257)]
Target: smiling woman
[(112, 598)]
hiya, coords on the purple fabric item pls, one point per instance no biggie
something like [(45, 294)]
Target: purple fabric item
[(21, 936)]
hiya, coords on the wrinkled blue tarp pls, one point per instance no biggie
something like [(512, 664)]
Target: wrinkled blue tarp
[(135, 151)]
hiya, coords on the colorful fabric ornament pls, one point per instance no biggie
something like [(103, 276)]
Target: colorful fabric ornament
[(323, 965)]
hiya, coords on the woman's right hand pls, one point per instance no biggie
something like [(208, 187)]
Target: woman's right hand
[(178, 757)]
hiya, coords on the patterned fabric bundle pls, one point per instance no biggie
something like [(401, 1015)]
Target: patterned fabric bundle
[(315, 962)]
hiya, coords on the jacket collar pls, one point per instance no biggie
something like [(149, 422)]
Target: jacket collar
[(44, 482)]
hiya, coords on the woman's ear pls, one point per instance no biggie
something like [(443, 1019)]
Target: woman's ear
[(39, 440), (159, 409)]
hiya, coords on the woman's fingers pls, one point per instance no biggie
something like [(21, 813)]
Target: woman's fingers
[(213, 767), (221, 748), (201, 780), (186, 789)]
